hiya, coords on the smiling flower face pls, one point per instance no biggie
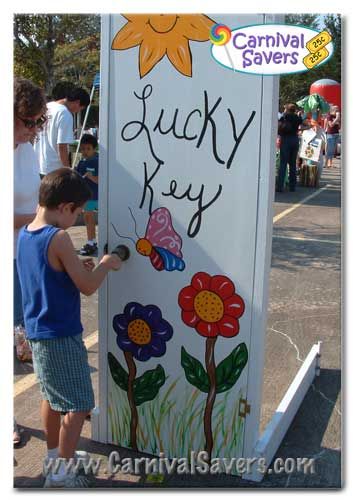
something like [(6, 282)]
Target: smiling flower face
[(163, 34), (211, 306), (142, 331)]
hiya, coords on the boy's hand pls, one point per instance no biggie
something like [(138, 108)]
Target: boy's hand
[(91, 177), (88, 264), (87, 282), (112, 261)]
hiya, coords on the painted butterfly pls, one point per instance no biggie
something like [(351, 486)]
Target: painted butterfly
[(161, 243)]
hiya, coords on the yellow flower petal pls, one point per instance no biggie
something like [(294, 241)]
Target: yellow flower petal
[(150, 55), (195, 27), (129, 36), (136, 18), (157, 35), (163, 23), (180, 56)]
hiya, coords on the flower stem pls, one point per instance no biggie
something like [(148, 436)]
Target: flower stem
[(130, 395), (211, 396)]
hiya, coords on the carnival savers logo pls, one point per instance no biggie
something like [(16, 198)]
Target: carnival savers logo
[(270, 49)]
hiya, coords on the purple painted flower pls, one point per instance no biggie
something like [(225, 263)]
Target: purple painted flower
[(142, 331)]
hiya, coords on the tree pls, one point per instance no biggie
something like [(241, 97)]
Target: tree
[(332, 69), (295, 86), (308, 20), (77, 61), (47, 47)]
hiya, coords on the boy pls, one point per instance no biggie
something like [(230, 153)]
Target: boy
[(88, 169), (53, 142), (52, 277)]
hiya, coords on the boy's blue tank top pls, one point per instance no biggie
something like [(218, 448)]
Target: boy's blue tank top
[(51, 301)]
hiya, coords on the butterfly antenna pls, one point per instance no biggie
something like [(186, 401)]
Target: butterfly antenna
[(120, 235), (133, 218)]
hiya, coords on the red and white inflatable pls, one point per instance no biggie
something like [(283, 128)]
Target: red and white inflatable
[(329, 90)]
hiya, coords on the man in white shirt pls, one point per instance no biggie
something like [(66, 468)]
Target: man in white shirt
[(52, 145)]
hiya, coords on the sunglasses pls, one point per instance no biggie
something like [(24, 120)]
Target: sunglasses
[(33, 123)]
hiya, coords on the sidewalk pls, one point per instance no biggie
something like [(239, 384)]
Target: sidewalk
[(305, 304)]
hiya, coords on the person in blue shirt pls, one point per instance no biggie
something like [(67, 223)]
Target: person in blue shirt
[(88, 169), (52, 277)]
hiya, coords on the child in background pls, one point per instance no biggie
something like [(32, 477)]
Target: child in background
[(88, 169), (52, 277)]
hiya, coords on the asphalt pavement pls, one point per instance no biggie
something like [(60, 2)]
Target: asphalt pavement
[(304, 307)]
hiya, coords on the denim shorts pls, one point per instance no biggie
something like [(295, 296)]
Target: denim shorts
[(61, 365), (332, 140)]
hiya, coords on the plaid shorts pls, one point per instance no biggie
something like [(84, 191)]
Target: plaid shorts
[(61, 365)]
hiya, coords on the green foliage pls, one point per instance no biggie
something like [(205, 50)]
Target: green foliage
[(173, 424), (194, 371), (77, 61), (227, 372), (145, 387), (296, 86), (50, 47), (118, 373), (332, 69), (308, 20)]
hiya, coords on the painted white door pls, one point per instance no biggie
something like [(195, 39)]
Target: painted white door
[(184, 177)]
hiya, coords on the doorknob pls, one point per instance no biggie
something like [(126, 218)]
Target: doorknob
[(122, 251)]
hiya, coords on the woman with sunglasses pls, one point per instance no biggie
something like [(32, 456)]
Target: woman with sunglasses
[(29, 117)]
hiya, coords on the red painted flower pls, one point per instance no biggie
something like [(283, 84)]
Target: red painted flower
[(211, 306)]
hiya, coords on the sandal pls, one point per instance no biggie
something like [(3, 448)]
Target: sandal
[(16, 434)]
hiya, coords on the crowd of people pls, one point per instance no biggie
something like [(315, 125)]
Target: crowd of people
[(297, 131), (49, 276)]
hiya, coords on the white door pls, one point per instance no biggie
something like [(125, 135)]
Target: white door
[(186, 185)]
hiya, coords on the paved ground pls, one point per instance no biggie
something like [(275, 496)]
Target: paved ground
[(305, 306)]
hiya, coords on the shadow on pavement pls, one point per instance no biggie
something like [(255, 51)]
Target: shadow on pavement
[(306, 434), (289, 255)]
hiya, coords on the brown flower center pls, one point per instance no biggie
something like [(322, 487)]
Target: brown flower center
[(209, 306), (162, 23), (139, 332)]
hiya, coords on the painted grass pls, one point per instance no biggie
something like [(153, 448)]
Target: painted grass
[(119, 416), (179, 423)]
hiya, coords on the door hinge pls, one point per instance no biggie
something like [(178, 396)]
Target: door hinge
[(244, 408)]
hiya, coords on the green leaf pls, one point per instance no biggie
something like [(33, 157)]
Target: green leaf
[(228, 371), (118, 373), (194, 371), (147, 386)]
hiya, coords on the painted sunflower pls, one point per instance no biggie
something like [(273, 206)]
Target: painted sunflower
[(142, 331), (163, 34), (211, 306)]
